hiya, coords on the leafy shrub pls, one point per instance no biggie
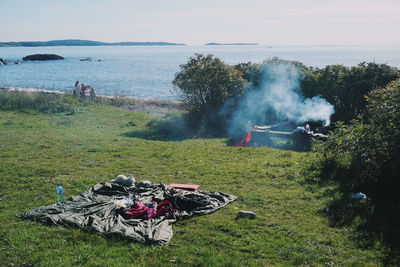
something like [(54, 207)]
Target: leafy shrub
[(211, 89), (131, 123), (346, 87), (204, 84), (171, 126), (365, 156)]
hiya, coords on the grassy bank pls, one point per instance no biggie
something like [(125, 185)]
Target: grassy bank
[(97, 143), (42, 100)]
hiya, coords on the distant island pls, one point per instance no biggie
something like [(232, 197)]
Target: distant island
[(232, 44), (76, 42)]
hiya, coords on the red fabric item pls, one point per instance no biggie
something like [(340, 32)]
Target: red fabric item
[(245, 141), (136, 212), (247, 138), (164, 209), (163, 203), (141, 211)]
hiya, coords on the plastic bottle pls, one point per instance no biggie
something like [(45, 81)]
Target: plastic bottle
[(60, 194)]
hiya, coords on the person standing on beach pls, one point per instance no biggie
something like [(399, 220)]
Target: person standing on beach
[(92, 93), (77, 90), (83, 90)]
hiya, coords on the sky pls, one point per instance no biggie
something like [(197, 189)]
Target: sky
[(195, 22)]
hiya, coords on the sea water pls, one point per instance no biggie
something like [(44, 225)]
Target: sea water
[(148, 71)]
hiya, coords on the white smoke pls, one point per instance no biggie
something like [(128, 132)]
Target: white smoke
[(278, 98)]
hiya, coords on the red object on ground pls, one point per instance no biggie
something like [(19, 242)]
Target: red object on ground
[(185, 186), (164, 209), (245, 140), (140, 211), (136, 212)]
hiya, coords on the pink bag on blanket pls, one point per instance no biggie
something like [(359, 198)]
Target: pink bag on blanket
[(136, 212), (151, 211), (141, 211)]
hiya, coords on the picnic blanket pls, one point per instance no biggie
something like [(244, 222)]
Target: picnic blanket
[(95, 210)]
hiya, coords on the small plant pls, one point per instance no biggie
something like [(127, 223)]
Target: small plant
[(8, 123), (171, 127), (131, 123)]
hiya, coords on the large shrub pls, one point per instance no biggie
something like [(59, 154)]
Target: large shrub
[(204, 84), (345, 87), (212, 90), (365, 156)]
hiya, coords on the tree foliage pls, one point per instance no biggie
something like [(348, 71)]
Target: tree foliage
[(212, 89), (345, 87), (205, 83), (251, 72), (254, 72)]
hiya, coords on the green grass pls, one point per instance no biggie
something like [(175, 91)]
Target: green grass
[(42, 102), (39, 150)]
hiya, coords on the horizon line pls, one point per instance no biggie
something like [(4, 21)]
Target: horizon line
[(204, 43)]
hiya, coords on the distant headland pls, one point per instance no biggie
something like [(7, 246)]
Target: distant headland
[(232, 44), (77, 42)]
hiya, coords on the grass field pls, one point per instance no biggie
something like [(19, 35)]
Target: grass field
[(37, 151)]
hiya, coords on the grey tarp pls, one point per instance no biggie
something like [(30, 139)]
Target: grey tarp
[(95, 210)]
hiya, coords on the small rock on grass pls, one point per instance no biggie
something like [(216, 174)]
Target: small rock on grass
[(246, 214)]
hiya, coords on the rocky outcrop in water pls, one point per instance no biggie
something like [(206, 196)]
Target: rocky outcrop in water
[(8, 62), (42, 57), (86, 59)]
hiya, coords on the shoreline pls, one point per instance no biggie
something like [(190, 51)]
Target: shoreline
[(148, 105)]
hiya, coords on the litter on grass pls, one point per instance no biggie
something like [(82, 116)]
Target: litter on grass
[(358, 196)]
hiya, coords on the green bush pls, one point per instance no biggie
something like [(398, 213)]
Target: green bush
[(39, 102), (205, 84), (211, 89), (365, 156), (172, 126), (346, 87)]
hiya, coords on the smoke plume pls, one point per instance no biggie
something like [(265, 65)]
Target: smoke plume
[(278, 98)]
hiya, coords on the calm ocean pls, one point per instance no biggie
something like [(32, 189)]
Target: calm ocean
[(147, 71)]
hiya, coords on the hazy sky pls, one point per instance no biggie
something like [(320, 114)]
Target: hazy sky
[(270, 22)]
